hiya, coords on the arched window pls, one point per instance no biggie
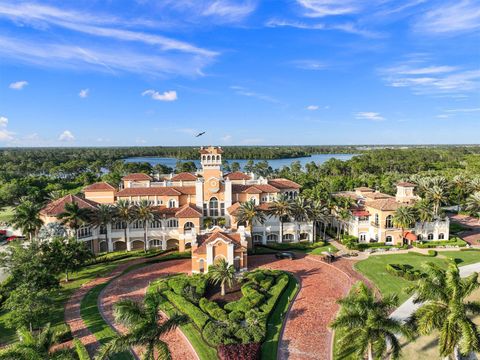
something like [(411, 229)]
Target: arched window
[(208, 158), (388, 239), (138, 224), (253, 200), (257, 238), (303, 236), (236, 263), (172, 203), (155, 224), (213, 206), (389, 222), (188, 226), (218, 157), (287, 237), (376, 219), (363, 237), (430, 236), (441, 236), (272, 238), (201, 265), (172, 223), (155, 243)]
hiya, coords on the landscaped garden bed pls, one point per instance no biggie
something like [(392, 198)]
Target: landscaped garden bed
[(453, 242), (307, 247), (250, 313)]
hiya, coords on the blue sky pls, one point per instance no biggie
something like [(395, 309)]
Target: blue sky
[(140, 72)]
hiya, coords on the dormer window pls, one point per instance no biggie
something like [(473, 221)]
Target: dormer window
[(172, 203)]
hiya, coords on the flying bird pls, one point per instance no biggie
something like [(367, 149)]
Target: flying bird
[(200, 134)]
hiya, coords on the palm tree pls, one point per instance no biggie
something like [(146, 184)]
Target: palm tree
[(223, 273), (74, 216), (281, 208), (436, 194), (26, 217), (366, 326), (343, 216), (144, 212), (34, 346), (145, 328), (473, 205), (248, 213), (318, 212), (102, 217), (404, 217), (462, 185), (424, 211), (443, 294), (124, 212), (301, 212)]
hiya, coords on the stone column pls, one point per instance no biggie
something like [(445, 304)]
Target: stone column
[(109, 242)]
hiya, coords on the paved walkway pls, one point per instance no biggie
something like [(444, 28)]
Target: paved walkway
[(405, 310), (307, 334), (133, 285), (472, 235)]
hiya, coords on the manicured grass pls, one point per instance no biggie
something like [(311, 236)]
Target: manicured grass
[(6, 213), (203, 350), (465, 257), (320, 249), (90, 312), (305, 247), (276, 318)]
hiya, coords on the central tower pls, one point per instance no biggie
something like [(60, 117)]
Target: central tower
[(211, 160)]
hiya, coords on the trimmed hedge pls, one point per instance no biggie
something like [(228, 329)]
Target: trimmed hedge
[(404, 271), (62, 333), (430, 253), (81, 350), (213, 309), (186, 307), (435, 243), (275, 292)]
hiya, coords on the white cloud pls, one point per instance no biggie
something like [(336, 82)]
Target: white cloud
[(66, 136), (230, 11), (452, 17), (465, 110), (240, 90), (84, 93), (165, 96), (3, 121), (18, 85), (309, 64), (312, 107), (321, 8), (226, 138), (369, 115)]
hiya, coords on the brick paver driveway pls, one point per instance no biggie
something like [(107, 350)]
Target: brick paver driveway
[(133, 285), (306, 334)]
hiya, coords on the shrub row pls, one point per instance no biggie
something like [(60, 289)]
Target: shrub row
[(435, 243), (301, 246), (212, 309), (404, 271), (5, 288), (430, 253), (274, 293), (186, 307)]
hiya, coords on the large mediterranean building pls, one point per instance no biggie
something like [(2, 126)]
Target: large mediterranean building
[(195, 210), (371, 217)]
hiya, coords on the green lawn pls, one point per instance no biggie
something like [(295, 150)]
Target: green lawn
[(275, 320), (466, 257), (6, 213), (305, 247)]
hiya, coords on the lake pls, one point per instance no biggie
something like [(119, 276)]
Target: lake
[(275, 163)]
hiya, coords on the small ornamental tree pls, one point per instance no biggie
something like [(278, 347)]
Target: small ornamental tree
[(222, 273)]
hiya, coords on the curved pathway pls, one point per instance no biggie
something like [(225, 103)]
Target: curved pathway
[(133, 286), (306, 334)]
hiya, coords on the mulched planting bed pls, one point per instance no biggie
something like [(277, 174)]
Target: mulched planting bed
[(234, 293)]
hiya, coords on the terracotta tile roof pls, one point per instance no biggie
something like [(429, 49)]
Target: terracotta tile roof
[(207, 151), (232, 210), (389, 204), (188, 211), (364, 189), (410, 236), (284, 184), (406, 184), (254, 189), (264, 206), (57, 207), (360, 213), (349, 194), (203, 240), (158, 190), (137, 177), (99, 186), (267, 188), (163, 210), (237, 175), (377, 195), (184, 176)]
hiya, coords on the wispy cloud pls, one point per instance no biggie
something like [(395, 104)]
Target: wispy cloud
[(464, 110), (451, 17), (172, 56), (66, 136), (240, 90), (432, 79), (230, 11), (369, 115), (18, 85), (309, 64), (322, 8), (5, 134), (3, 121), (312, 107), (165, 96), (84, 93)]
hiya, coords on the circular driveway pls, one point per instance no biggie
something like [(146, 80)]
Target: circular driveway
[(306, 334)]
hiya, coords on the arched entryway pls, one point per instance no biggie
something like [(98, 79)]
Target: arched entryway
[(172, 244), (102, 246), (137, 245), (287, 238)]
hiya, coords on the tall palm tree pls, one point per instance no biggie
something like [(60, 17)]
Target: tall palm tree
[(223, 273), (343, 217), (74, 216), (424, 211), (281, 208), (146, 214), (404, 217), (462, 186), (248, 213), (34, 346), (473, 205), (368, 330), (318, 213), (124, 212), (102, 217), (26, 217), (445, 308), (145, 328), (437, 195), (301, 212)]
